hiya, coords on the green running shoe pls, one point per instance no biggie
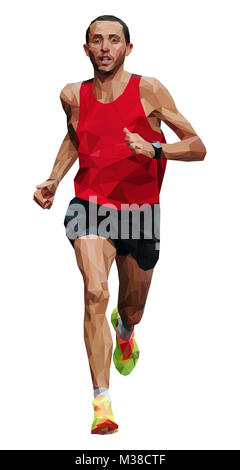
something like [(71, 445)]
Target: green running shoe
[(126, 353), (104, 422)]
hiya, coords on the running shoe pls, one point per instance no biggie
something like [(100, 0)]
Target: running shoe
[(104, 422), (126, 353)]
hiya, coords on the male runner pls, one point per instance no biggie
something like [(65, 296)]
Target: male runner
[(114, 129)]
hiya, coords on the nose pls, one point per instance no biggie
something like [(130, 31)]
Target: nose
[(105, 45)]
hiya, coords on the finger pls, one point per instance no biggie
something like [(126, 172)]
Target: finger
[(47, 204), (40, 203), (41, 200), (129, 137), (46, 193), (132, 148), (126, 130)]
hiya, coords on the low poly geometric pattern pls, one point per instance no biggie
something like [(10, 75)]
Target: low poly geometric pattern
[(95, 257), (104, 422), (126, 353), (108, 168), (108, 137)]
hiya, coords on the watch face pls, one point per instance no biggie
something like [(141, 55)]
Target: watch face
[(156, 144)]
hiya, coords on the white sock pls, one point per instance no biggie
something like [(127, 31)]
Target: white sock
[(124, 333), (103, 392)]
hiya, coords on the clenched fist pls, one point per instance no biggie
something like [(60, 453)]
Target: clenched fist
[(137, 144), (45, 193)]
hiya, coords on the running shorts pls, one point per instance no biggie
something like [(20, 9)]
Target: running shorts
[(137, 232)]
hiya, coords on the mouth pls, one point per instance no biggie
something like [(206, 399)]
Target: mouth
[(105, 60)]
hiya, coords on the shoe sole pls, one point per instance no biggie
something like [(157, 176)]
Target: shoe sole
[(107, 427)]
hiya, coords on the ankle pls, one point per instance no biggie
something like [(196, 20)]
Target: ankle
[(124, 332), (101, 391)]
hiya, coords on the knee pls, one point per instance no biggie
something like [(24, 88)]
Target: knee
[(131, 316), (96, 293)]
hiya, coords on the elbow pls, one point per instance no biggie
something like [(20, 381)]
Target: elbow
[(201, 150), (204, 152), (196, 149)]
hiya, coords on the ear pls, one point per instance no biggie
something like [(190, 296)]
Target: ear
[(129, 48), (85, 47)]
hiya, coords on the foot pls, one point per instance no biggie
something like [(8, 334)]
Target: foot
[(126, 353), (104, 422)]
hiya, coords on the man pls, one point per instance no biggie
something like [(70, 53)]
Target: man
[(114, 128)]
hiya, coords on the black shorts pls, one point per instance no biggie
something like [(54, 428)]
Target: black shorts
[(136, 232)]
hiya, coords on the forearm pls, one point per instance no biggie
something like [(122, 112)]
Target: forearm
[(66, 157), (186, 150)]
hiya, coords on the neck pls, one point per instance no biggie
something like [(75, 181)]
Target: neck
[(107, 81)]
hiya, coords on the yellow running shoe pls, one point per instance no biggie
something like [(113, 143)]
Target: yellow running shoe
[(104, 422), (126, 353)]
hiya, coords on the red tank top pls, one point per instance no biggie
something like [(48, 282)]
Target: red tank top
[(108, 168)]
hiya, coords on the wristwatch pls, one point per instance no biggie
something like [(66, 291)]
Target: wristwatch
[(157, 147)]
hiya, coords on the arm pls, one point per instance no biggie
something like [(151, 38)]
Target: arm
[(190, 147), (67, 154), (66, 157)]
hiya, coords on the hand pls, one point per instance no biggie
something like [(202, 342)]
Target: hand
[(138, 145), (45, 193)]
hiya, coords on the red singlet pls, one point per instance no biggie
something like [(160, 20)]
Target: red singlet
[(108, 168)]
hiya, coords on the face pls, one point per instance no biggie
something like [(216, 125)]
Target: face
[(107, 46)]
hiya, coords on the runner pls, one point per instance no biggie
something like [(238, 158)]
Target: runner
[(114, 129)]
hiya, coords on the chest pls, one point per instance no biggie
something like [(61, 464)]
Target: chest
[(154, 122), (147, 108)]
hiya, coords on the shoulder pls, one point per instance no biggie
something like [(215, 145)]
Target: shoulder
[(69, 94), (153, 90)]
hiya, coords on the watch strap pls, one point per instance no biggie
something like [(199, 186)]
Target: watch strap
[(158, 149)]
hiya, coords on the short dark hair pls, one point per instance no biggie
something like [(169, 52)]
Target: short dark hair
[(110, 18)]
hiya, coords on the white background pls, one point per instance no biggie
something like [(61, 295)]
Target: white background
[(184, 392)]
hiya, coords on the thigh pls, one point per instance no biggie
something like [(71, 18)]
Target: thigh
[(95, 255)]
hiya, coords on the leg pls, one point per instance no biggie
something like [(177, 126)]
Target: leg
[(134, 285), (94, 256)]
